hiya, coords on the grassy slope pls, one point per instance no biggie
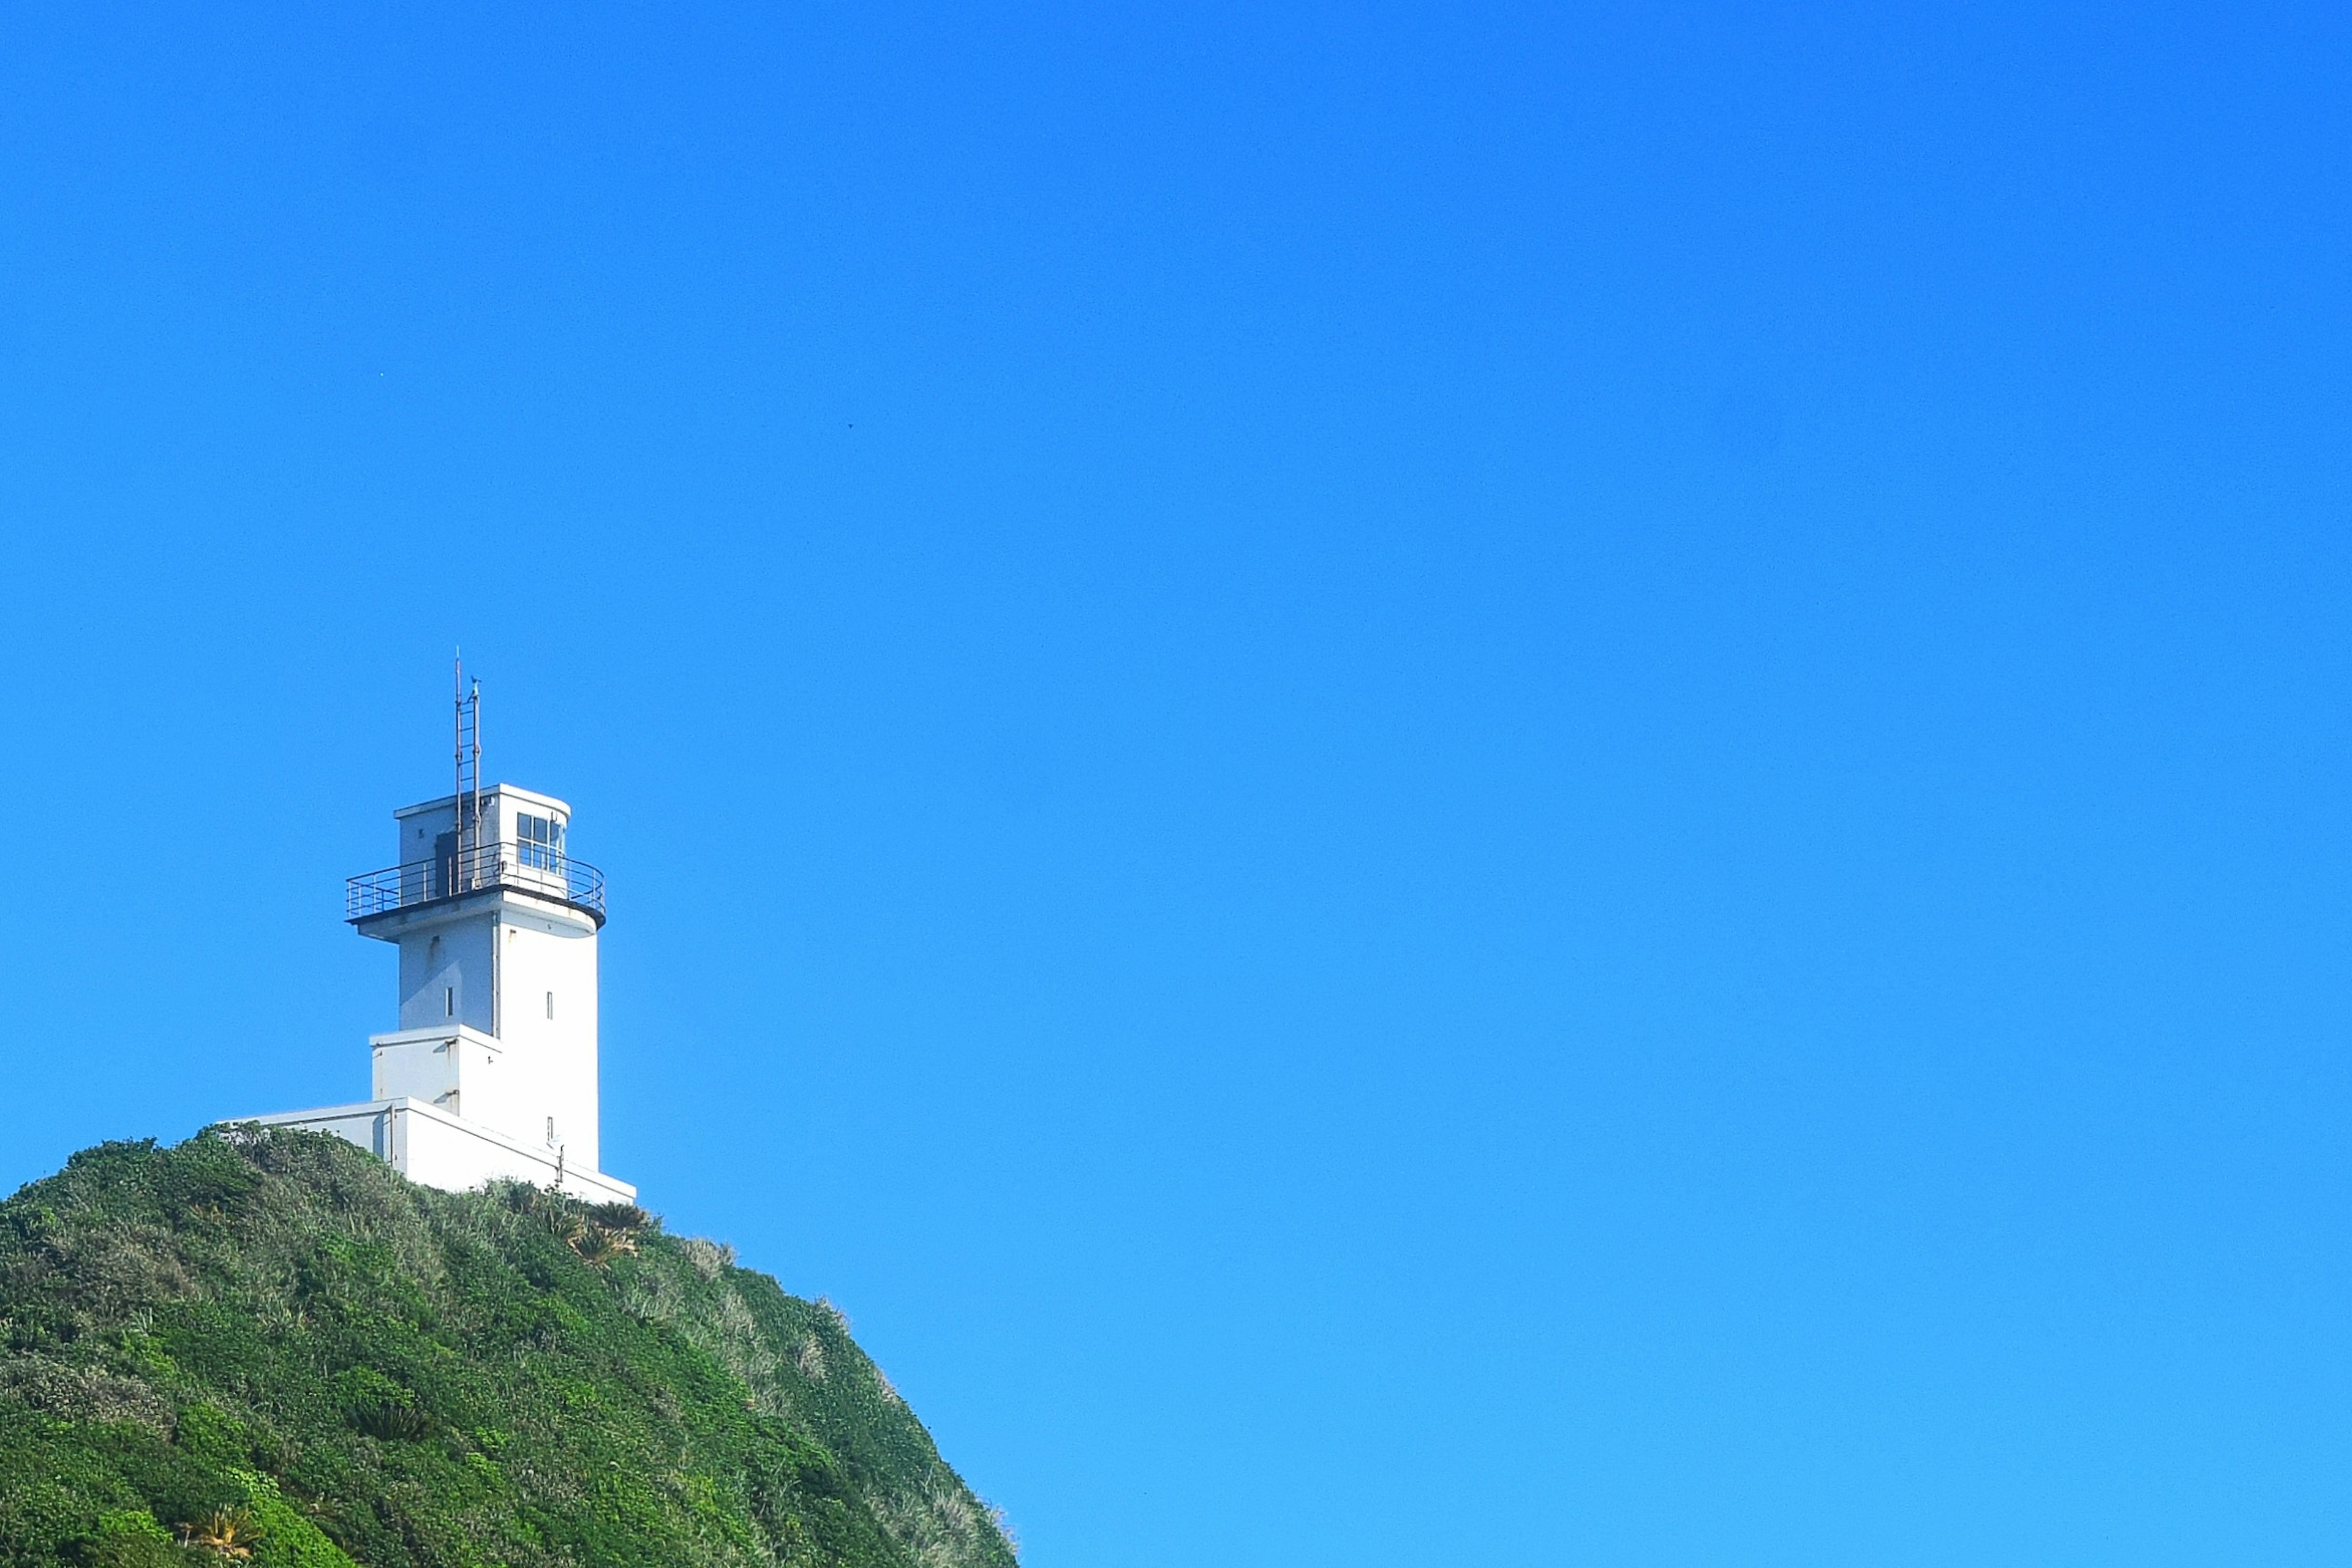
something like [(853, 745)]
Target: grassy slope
[(364, 1371)]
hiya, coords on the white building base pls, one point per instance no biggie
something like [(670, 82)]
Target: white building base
[(427, 1145)]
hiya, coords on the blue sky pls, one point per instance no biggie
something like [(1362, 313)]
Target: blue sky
[(1472, 784)]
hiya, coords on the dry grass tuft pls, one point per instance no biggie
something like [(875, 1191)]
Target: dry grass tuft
[(709, 1259)]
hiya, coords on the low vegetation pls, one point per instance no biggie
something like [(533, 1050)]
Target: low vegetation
[(265, 1348)]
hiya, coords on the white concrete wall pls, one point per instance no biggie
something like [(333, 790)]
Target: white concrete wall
[(416, 826), (450, 1152), (368, 1124), (457, 1156), (461, 1070), (523, 982), (548, 966), (415, 1066), (445, 977)]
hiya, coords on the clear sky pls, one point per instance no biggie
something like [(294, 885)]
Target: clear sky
[(1450, 786)]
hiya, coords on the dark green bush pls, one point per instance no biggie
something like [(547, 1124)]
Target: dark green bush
[(129, 1538)]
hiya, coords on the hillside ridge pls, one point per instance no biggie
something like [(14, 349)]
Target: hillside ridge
[(264, 1347)]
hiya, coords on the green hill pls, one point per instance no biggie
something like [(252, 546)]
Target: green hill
[(266, 1348)]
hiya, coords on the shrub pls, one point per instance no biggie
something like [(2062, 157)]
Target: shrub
[(271, 1343), (129, 1538)]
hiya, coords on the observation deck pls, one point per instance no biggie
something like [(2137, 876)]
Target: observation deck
[(526, 868)]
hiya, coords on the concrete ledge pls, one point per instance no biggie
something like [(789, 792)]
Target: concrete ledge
[(426, 1144)]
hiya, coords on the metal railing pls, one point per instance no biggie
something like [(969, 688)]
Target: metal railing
[(528, 868)]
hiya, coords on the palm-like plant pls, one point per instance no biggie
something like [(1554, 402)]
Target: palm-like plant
[(599, 1246), (226, 1533), (390, 1421)]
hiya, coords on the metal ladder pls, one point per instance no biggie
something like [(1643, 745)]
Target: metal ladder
[(468, 733)]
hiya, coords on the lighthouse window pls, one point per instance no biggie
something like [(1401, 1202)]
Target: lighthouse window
[(550, 1004), (540, 839)]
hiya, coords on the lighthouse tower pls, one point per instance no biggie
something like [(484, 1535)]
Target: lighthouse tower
[(492, 1071)]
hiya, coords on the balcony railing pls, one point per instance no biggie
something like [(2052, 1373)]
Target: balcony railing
[(526, 868)]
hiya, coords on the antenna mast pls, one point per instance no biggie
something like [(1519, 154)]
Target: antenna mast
[(466, 732)]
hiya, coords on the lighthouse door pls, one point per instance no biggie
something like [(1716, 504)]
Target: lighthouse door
[(444, 865)]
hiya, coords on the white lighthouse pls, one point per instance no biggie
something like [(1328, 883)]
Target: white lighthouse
[(492, 1071)]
